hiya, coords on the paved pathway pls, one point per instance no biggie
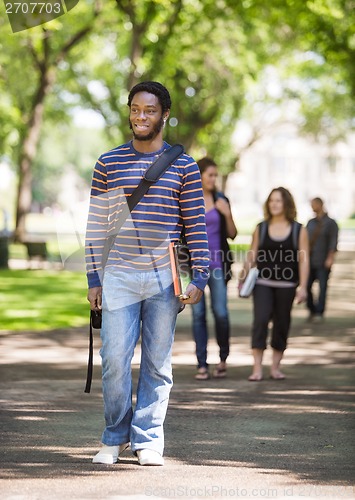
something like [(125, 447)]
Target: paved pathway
[(224, 438)]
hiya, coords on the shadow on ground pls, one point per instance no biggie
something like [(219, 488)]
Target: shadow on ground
[(303, 425), (293, 431)]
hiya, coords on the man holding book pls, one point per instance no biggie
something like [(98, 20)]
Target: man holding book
[(135, 289)]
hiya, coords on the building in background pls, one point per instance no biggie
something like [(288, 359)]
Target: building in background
[(306, 168)]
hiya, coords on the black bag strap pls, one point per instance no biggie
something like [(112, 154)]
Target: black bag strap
[(90, 360), (151, 176), (154, 172)]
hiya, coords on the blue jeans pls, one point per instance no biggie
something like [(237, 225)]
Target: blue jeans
[(320, 274), (218, 289), (134, 304)]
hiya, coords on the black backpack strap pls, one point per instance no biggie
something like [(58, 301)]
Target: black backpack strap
[(296, 230), (262, 232)]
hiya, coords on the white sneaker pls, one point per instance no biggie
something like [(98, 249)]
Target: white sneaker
[(109, 454), (149, 457)]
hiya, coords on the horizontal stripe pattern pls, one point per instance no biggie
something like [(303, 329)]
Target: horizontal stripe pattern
[(175, 201)]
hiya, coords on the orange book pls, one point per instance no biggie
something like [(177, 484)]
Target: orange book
[(180, 267)]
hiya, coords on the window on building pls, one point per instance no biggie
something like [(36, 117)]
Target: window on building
[(279, 165), (331, 163)]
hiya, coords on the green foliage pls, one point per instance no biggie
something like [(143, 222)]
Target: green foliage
[(185, 46), (212, 56), (63, 149), (23, 58), (42, 300)]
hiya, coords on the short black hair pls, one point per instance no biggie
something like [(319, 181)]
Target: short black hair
[(318, 200), (155, 88)]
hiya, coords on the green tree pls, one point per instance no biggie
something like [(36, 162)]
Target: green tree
[(33, 60), (201, 50), (210, 54), (312, 58), (65, 147)]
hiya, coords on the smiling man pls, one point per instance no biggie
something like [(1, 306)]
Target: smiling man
[(147, 117), (134, 289)]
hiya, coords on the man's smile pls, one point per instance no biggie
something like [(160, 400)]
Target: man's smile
[(141, 126)]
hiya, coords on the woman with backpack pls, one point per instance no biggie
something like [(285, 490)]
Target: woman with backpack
[(279, 250)]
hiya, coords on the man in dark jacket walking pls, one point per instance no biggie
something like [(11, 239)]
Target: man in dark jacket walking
[(323, 240)]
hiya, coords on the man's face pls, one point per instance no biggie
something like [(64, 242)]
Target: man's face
[(145, 118), (316, 206)]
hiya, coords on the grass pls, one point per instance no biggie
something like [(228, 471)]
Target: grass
[(45, 300), (42, 300), (19, 251), (347, 224)]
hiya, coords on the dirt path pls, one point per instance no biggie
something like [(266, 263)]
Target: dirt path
[(224, 438)]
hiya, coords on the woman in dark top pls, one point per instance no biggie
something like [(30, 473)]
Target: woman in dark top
[(220, 226), (279, 249)]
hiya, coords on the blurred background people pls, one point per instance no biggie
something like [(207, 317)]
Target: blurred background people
[(220, 226), (279, 249), (323, 241)]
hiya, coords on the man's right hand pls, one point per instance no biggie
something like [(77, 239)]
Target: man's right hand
[(95, 298)]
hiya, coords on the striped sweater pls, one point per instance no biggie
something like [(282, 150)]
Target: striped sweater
[(176, 200)]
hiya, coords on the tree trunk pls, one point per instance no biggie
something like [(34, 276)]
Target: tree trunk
[(29, 144), (28, 150)]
